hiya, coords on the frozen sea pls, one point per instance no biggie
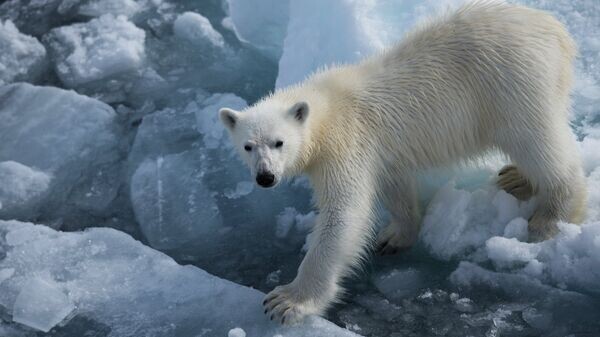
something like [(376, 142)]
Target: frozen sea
[(124, 210)]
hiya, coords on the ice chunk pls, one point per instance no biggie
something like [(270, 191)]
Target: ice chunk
[(49, 128), (265, 28), (41, 305), (171, 202), (196, 29), (236, 332), (37, 17), (123, 288), (502, 250), (167, 131), (56, 133), (97, 8), (241, 189), (207, 117), (19, 186), (285, 221), (22, 57), (398, 284), (101, 49)]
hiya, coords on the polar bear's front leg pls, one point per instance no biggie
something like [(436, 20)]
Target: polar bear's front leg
[(342, 232)]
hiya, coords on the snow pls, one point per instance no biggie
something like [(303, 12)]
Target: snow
[(100, 49), (22, 56), (110, 279), (196, 29)]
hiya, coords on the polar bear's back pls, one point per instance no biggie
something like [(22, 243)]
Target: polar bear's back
[(483, 69)]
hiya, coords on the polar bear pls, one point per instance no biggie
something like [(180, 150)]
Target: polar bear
[(489, 76)]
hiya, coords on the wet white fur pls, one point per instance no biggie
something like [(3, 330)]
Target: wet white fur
[(488, 76)]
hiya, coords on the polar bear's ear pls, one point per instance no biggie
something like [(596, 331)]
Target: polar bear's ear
[(300, 111), (228, 117)]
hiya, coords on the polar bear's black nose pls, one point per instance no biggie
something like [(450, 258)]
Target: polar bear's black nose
[(265, 179)]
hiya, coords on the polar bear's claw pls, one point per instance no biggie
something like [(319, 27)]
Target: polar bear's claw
[(513, 182), (282, 304), (393, 239)]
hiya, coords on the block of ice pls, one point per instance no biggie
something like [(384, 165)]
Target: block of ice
[(101, 49), (41, 304), (123, 288), (241, 189), (97, 8), (236, 332), (163, 132), (49, 128), (285, 221), (57, 133), (196, 29), (502, 250), (400, 283), (265, 28), (37, 17), (23, 57), (20, 187), (171, 202), (207, 117)]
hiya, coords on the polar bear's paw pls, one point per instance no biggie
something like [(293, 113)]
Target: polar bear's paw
[(284, 304), (393, 239), (513, 182), (542, 228)]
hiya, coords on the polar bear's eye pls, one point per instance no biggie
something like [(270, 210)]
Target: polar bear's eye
[(248, 148), (278, 143)]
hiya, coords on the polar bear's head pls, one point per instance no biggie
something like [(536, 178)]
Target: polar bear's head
[(269, 137)]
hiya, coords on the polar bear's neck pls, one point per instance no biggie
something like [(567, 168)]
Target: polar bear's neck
[(331, 95)]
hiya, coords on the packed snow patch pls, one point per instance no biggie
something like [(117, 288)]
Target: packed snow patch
[(490, 226)]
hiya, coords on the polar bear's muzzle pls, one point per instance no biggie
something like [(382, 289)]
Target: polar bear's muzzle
[(265, 179)]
